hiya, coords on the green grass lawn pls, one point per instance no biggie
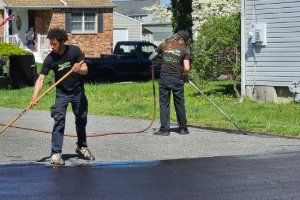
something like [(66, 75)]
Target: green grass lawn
[(135, 100)]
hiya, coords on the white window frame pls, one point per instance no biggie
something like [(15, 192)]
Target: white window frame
[(83, 23), (148, 37)]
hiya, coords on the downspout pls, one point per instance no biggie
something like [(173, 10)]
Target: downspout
[(63, 2), (254, 53), (243, 52)]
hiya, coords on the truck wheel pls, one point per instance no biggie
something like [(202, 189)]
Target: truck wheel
[(104, 78)]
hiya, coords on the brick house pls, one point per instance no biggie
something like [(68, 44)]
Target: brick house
[(89, 23)]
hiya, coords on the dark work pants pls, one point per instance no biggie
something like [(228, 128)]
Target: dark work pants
[(58, 112), (168, 83)]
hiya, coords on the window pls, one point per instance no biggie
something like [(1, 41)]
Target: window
[(128, 49), (83, 22), (138, 17), (147, 50), (148, 37)]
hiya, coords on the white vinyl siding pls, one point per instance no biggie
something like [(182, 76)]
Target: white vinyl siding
[(277, 63), (133, 26)]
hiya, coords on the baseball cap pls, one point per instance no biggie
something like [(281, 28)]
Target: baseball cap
[(182, 34)]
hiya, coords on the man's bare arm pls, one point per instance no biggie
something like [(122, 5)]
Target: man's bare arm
[(153, 55), (81, 69), (37, 88), (187, 66)]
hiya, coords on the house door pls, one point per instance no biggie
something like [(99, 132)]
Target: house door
[(20, 25), (120, 34)]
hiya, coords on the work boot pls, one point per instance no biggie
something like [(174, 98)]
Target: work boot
[(56, 159), (184, 131), (161, 133), (85, 152)]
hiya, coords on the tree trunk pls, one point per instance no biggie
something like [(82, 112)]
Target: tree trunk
[(237, 93)]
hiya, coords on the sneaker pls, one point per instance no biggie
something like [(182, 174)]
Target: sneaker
[(161, 133), (85, 152), (56, 159), (184, 131)]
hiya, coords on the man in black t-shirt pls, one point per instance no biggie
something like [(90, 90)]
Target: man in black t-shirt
[(61, 60), (175, 67)]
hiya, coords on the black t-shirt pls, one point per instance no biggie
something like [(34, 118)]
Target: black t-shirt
[(173, 59), (62, 64)]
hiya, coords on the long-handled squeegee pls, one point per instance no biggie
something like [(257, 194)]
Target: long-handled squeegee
[(216, 107)]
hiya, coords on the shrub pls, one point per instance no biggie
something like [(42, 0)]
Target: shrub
[(217, 49), (8, 49)]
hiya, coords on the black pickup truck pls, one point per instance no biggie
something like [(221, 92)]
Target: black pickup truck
[(129, 61)]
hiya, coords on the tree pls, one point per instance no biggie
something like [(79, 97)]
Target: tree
[(217, 49), (205, 9), (182, 15)]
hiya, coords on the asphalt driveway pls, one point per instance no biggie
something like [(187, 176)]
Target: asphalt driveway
[(203, 165), (19, 146)]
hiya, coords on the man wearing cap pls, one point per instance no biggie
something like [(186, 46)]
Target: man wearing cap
[(175, 67)]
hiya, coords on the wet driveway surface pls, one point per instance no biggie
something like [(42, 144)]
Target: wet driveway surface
[(251, 177), (205, 164)]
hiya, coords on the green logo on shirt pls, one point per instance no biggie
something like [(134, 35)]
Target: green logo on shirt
[(177, 51), (64, 66), (171, 59)]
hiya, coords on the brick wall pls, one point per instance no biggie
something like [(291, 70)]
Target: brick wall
[(42, 21), (93, 44)]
